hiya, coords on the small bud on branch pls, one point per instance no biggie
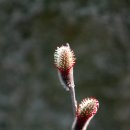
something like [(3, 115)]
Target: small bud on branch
[(64, 60), (85, 112)]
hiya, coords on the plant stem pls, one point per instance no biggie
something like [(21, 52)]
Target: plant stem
[(87, 123), (73, 99), (83, 125)]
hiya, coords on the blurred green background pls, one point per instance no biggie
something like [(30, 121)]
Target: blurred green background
[(31, 97)]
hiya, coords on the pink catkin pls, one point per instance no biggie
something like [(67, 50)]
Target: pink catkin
[(86, 110)]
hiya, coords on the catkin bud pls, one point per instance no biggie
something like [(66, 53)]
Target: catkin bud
[(85, 112), (64, 60)]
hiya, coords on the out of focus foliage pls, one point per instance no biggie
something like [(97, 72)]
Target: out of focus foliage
[(31, 97)]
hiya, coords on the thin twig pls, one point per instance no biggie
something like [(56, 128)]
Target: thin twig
[(73, 99)]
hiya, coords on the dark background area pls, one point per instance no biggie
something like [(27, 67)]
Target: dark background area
[(31, 97)]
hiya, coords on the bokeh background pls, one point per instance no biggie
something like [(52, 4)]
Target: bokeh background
[(31, 97)]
